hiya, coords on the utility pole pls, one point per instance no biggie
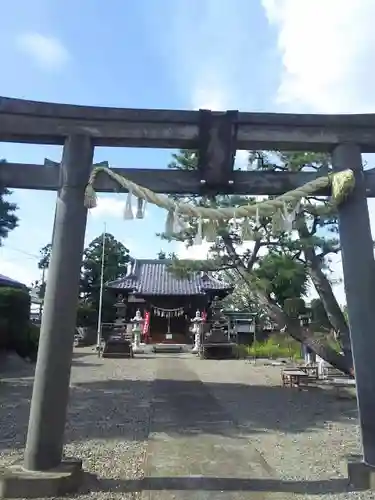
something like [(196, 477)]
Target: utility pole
[(99, 329)]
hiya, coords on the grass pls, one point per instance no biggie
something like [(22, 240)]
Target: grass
[(282, 346), (272, 348)]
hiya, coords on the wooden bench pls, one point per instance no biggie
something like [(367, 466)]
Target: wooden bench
[(311, 371), (293, 377), (340, 383), (330, 373)]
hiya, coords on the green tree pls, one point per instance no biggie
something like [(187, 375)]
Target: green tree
[(319, 316), (116, 257), (8, 218), (43, 265), (162, 255), (241, 297), (346, 314), (282, 277), (45, 257), (318, 235), (226, 253)]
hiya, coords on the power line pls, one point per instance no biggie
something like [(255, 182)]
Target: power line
[(21, 251)]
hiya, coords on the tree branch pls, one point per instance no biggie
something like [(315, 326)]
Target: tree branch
[(327, 251), (254, 255), (278, 315), (315, 225)]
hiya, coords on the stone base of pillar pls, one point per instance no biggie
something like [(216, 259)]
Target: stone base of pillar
[(137, 349), (17, 482), (361, 475)]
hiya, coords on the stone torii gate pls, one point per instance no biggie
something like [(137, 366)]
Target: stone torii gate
[(217, 136)]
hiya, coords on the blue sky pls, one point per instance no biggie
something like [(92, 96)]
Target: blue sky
[(247, 55), (148, 54)]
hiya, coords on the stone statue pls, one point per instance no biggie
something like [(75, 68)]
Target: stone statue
[(197, 328), (137, 325)]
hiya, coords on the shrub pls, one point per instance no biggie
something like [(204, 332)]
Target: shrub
[(275, 348), (335, 344), (17, 332), (241, 351), (33, 341), (86, 315), (4, 333), (15, 317), (293, 307)]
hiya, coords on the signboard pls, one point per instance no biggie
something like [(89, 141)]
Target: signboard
[(136, 300)]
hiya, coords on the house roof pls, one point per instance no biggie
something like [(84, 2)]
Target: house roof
[(5, 281), (152, 277)]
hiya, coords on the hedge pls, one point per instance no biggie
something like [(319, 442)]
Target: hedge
[(17, 333)]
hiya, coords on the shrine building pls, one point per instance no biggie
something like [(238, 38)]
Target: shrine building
[(171, 301)]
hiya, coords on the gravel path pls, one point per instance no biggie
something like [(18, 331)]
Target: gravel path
[(158, 415), (108, 421), (305, 436)]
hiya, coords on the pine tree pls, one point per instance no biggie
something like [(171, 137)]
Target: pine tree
[(226, 251), (318, 236)]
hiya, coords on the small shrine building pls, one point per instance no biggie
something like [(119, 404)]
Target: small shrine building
[(169, 302)]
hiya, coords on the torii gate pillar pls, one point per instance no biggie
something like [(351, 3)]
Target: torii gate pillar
[(44, 473), (359, 278)]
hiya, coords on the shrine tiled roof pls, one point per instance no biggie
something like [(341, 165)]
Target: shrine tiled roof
[(152, 277), (5, 281)]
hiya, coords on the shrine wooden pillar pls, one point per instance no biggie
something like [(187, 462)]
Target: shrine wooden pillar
[(45, 437), (359, 279)]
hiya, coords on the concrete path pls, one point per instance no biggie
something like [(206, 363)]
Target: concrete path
[(195, 450)]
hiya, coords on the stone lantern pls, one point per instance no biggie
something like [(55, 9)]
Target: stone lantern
[(197, 329), (121, 307), (138, 322)]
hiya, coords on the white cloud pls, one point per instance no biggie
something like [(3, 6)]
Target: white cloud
[(326, 49), (241, 160), (195, 252), (108, 206), (113, 207), (47, 52), (201, 252), (207, 96), (327, 52)]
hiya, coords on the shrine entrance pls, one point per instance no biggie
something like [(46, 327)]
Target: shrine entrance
[(217, 136)]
